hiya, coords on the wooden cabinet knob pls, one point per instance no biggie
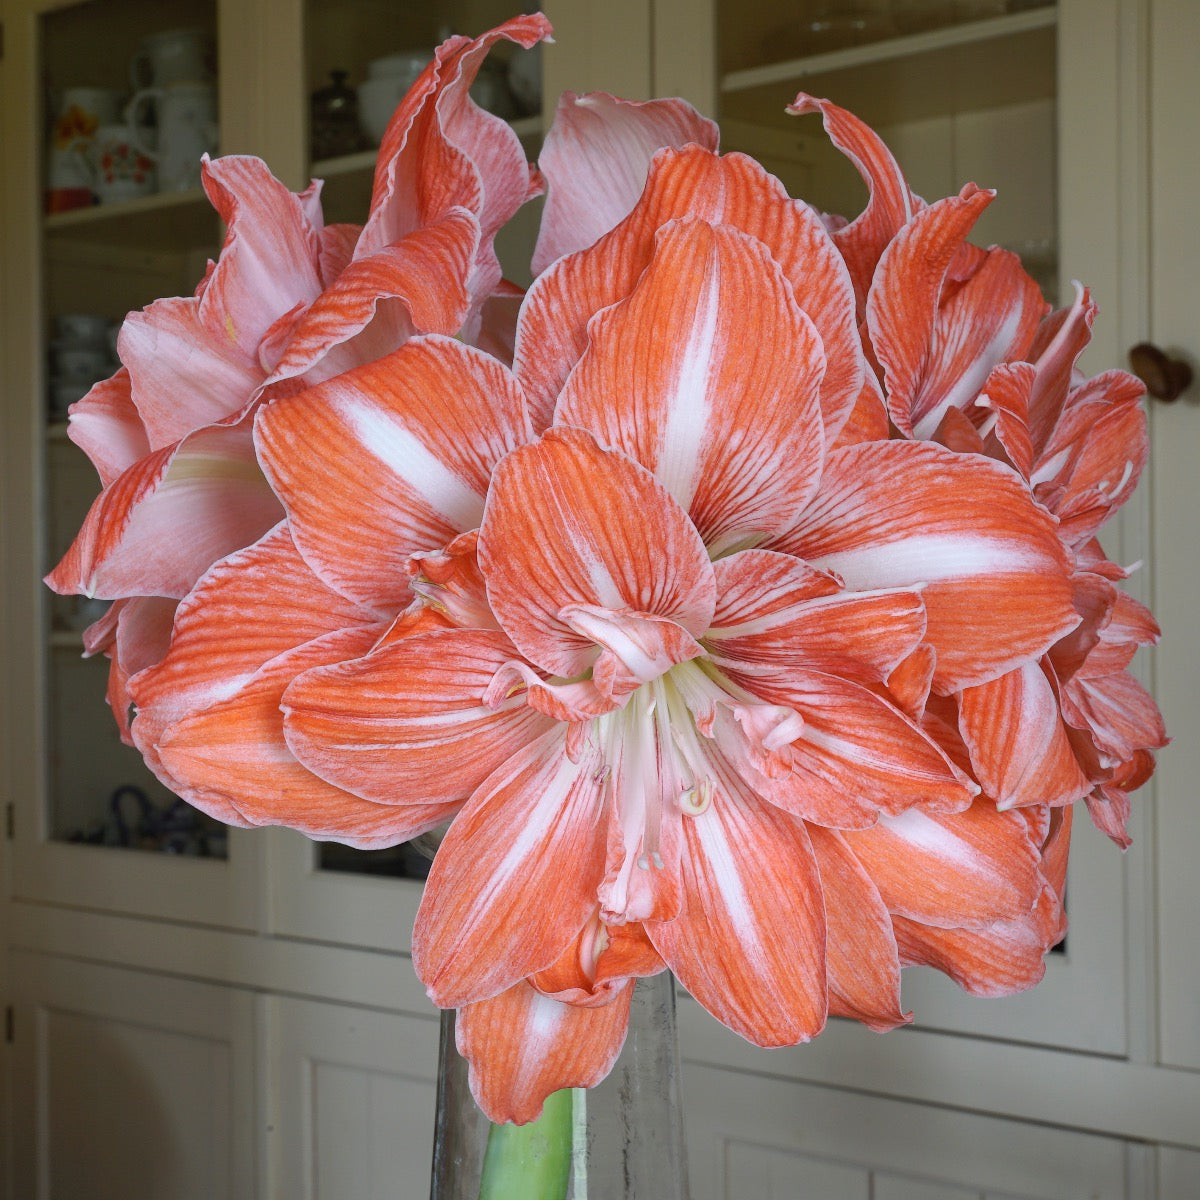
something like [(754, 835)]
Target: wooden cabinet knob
[(1165, 378)]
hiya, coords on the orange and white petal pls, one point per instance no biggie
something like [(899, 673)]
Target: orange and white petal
[(997, 960), (515, 877), (965, 869), (693, 182), (1020, 750), (105, 425), (995, 576), (850, 757), (868, 420), (595, 159), (416, 285), (234, 753), (749, 941), (597, 965), (774, 610), (1006, 394), (407, 724), (570, 523), (247, 610), (1061, 339), (170, 516), (423, 427), (523, 1045), (891, 202), (1118, 713), (718, 398), (861, 955), (135, 634)]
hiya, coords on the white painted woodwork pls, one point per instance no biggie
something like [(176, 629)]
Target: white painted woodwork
[(352, 1112), (130, 1086)]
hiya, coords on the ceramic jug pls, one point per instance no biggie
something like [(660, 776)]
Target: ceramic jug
[(187, 129), (173, 56)]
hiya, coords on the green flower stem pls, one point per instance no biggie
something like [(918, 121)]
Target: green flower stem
[(531, 1162)]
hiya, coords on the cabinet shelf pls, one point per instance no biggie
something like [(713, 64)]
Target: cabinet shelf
[(977, 65), (161, 220)]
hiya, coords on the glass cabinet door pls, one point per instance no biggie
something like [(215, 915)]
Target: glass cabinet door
[(122, 99)]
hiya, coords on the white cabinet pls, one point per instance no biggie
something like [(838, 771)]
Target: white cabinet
[(130, 1086)]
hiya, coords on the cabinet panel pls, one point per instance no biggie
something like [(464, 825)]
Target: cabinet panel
[(758, 1136), (130, 1086), (354, 1108)]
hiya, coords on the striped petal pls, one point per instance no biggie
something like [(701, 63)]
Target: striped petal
[(774, 610), (1019, 747), (861, 955), (891, 203), (995, 576), (749, 941), (936, 343), (966, 869), (523, 1045), (407, 723), (234, 753), (423, 427), (595, 160), (568, 523), (515, 877), (718, 398), (247, 610), (692, 182)]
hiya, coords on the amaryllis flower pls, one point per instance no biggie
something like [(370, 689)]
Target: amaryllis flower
[(289, 302), (966, 356), (665, 698), (704, 622)]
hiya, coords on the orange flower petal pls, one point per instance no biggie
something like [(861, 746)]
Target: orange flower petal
[(774, 610), (749, 942), (963, 869), (570, 523), (515, 878), (407, 724), (718, 398), (901, 514), (1019, 747), (424, 427), (863, 963), (523, 1045)]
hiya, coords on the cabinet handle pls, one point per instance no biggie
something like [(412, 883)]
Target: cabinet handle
[(1165, 378)]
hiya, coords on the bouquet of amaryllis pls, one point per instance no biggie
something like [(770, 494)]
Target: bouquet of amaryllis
[(732, 598)]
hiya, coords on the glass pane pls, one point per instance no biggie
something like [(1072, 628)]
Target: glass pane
[(125, 223)]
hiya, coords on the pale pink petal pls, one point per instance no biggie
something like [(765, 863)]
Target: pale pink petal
[(595, 160), (105, 425), (718, 398), (169, 517), (570, 523)]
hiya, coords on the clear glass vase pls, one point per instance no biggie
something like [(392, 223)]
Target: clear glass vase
[(623, 1138)]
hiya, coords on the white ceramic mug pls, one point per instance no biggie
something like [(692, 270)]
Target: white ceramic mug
[(187, 129), (122, 169), (69, 176), (173, 56)]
